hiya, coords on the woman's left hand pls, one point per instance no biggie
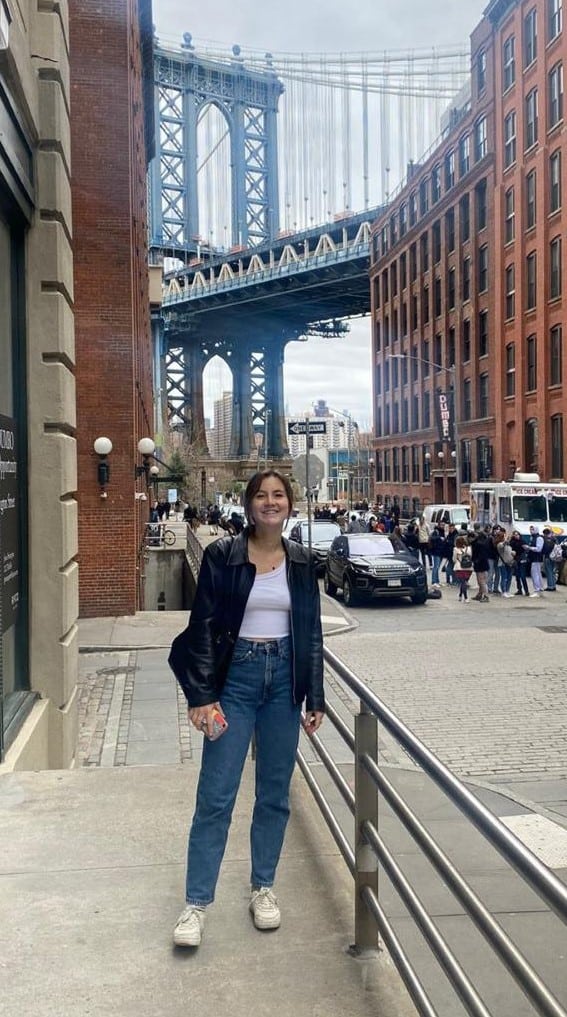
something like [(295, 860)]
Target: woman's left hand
[(313, 721)]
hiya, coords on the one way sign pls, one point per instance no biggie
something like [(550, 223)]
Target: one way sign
[(307, 427)]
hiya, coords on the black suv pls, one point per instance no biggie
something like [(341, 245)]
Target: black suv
[(364, 565), (323, 532)]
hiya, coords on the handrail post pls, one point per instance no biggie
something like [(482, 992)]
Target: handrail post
[(366, 810)]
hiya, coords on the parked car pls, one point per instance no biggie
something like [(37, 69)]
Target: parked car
[(323, 532), (365, 565)]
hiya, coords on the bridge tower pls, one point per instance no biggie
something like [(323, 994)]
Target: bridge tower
[(185, 86)]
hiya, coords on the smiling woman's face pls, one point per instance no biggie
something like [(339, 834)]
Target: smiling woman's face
[(270, 505)]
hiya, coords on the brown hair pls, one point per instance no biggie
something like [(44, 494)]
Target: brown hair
[(254, 485), (461, 542)]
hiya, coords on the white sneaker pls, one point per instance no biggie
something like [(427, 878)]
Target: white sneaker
[(534, 594), (507, 595), (189, 928), (264, 908)]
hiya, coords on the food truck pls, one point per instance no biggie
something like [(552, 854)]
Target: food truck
[(520, 503)]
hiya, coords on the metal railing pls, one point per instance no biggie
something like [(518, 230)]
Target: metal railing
[(194, 551), (370, 849)]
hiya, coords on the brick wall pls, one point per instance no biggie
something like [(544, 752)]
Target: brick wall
[(112, 325)]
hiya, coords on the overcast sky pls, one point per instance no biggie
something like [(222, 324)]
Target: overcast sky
[(338, 370)]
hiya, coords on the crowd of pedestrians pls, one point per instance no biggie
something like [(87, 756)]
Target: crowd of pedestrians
[(497, 559)]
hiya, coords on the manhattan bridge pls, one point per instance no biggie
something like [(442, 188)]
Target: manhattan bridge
[(268, 174)]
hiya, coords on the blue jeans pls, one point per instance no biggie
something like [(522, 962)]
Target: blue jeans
[(549, 568), (493, 576), (257, 697), (435, 571), (505, 577)]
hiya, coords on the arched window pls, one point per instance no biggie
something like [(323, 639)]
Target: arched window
[(531, 456)]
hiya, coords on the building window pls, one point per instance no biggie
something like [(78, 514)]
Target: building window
[(532, 444), (510, 286), (531, 200), (426, 410), (481, 71), (393, 230), (465, 217), (405, 465), (480, 139), (554, 18), (426, 464), (531, 126), (425, 358), (555, 268), (415, 464), (466, 463), (414, 363), (404, 364), (438, 353), (483, 458), (450, 230), (480, 195), (531, 281), (404, 318), (557, 446), (510, 139), (555, 181), (394, 279), (385, 287), (424, 252), (436, 185), (483, 268), (403, 219), (451, 295), (385, 241), (436, 242), (555, 94), (483, 334), (413, 208), (556, 355), (403, 271), (449, 170), (466, 341), (414, 312), (483, 395), (413, 262), (387, 476), (467, 405), (464, 155), (438, 298), (386, 332), (387, 427), (531, 345), (466, 279), (415, 412), (510, 369), (451, 350), (509, 62), (509, 216), (395, 373), (425, 305), (424, 196), (530, 37)]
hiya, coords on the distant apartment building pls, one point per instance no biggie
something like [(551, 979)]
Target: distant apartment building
[(219, 436), (467, 278), (339, 434)]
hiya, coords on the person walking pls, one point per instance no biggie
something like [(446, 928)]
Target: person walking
[(480, 559), (462, 566), (423, 538), (549, 543), (535, 552), (437, 551), (506, 560), (520, 564), (250, 656)]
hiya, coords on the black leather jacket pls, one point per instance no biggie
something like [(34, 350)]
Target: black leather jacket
[(200, 656)]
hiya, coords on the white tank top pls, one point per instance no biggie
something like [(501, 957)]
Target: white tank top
[(268, 608)]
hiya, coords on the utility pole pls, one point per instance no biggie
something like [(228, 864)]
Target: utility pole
[(308, 485)]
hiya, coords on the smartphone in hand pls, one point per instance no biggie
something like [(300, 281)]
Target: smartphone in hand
[(220, 725)]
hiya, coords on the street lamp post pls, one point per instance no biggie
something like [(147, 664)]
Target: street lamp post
[(456, 408)]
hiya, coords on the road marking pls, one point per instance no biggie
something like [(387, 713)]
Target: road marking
[(546, 839)]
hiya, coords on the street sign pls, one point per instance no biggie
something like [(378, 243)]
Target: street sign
[(300, 427)]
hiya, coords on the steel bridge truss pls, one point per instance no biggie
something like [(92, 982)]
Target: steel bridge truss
[(185, 85)]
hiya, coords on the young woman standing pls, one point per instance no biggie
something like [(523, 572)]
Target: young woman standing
[(253, 651)]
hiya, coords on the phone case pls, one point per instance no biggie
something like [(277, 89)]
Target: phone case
[(219, 727)]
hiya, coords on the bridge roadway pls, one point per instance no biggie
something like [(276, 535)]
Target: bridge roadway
[(92, 864), (285, 288)]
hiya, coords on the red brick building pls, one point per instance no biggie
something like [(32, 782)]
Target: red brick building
[(467, 277), (112, 137)]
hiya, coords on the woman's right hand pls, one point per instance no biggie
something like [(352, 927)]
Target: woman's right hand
[(201, 717)]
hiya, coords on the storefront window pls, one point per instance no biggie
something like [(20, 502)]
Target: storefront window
[(13, 644)]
